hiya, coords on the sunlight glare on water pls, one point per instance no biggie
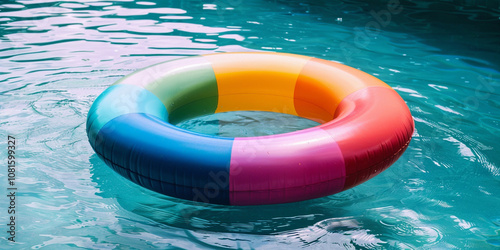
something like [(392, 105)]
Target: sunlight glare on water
[(56, 57)]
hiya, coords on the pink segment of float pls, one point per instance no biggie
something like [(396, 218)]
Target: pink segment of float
[(285, 168)]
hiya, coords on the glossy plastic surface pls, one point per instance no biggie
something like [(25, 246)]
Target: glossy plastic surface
[(366, 127)]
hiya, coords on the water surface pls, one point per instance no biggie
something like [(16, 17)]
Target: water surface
[(56, 57)]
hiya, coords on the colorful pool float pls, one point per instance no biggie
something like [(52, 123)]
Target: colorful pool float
[(365, 127)]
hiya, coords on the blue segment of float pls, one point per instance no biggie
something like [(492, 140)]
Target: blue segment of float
[(167, 159), (118, 100)]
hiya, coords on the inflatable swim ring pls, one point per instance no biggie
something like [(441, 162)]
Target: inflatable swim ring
[(366, 126)]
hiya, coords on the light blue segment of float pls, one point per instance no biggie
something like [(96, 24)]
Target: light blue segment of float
[(120, 100)]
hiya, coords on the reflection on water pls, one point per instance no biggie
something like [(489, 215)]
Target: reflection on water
[(56, 57), (246, 123)]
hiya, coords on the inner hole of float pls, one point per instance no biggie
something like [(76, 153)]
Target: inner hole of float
[(241, 109), (246, 123)]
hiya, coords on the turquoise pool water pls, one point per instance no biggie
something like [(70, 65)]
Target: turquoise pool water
[(246, 123), (56, 57)]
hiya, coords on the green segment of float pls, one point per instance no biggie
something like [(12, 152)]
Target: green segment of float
[(187, 88)]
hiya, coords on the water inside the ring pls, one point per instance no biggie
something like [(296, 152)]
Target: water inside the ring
[(246, 123)]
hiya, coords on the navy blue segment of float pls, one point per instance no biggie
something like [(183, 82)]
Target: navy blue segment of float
[(167, 159)]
